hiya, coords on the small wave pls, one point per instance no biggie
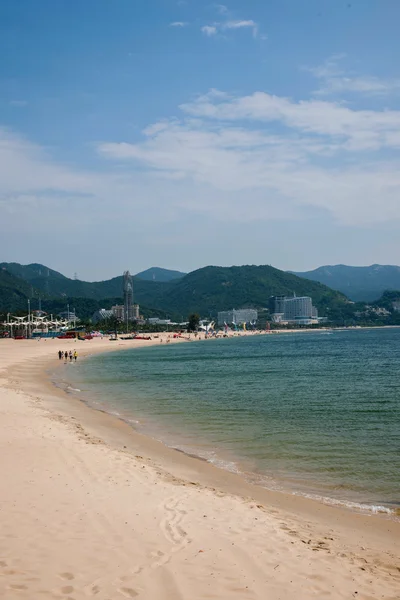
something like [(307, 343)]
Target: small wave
[(227, 465), (71, 389), (210, 457), (374, 509)]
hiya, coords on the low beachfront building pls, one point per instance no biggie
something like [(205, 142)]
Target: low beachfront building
[(237, 317), (158, 321), (101, 315)]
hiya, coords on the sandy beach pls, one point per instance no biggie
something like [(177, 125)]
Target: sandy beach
[(91, 508)]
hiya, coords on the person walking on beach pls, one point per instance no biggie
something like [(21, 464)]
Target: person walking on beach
[(60, 355), (70, 355), (75, 355), (66, 355)]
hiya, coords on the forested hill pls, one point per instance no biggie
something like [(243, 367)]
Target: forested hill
[(54, 284), (205, 291), (361, 284), (211, 289), (158, 274), (14, 292)]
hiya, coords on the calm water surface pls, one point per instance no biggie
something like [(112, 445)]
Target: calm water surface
[(315, 413)]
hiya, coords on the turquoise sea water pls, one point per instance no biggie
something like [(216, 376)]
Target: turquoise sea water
[(313, 413)]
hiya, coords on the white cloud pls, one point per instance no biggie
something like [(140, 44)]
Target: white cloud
[(362, 85), (209, 30), (230, 24), (260, 150), (37, 191), (335, 80), (231, 158), (357, 128), (178, 24), (240, 25)]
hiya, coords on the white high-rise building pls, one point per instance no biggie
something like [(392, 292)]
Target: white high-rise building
[(300, 307), (293, 309)]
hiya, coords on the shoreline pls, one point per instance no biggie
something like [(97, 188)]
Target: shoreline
[(301, 528), (233, 464), (44, 378)]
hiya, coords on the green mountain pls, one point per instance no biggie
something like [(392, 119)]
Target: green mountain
[(211, 289), (55, 284), (31, 272), (14, 292), (205, 291), (361, 284), (158, 274)]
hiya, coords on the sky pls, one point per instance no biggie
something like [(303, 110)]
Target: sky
[(186, 133)]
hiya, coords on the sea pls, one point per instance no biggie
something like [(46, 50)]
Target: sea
[(310, 413)]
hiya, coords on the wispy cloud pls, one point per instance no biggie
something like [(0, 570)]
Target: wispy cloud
[(229, 23), (178, 24), (351, 129), (209, 30), (18, 103), (222, 9), (267, 149), (335, 80), (241, 24), (47, 185)]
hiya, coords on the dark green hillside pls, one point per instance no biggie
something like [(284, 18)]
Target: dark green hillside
[(14, 292), (31, 272), (205, 291), (54, 284), (49, 281), (220, 288), (158, 274)]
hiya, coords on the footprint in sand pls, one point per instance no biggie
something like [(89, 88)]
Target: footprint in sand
[(95, 590), (67, 576), (128, 592), (18, 587), (11, 572), (67, 589)]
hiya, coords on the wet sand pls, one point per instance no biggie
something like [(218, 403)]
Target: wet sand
[(89, 507)]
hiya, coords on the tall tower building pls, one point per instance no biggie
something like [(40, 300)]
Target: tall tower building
[(128, 296)]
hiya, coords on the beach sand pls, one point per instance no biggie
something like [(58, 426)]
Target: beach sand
[(91, 508)]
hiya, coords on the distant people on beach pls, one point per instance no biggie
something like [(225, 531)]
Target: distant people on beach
[(60, 354), (70, 356), (75, 355)]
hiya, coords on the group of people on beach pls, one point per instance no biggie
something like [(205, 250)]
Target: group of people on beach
[(71, 355)]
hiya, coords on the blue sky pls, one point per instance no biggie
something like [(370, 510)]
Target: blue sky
[(181, 133)]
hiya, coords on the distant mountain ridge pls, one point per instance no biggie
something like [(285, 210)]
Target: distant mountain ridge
[(205, 290), (360, 284), (213, 289), (159, 274)]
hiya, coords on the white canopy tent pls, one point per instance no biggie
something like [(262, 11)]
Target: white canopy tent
[(34, 324)]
